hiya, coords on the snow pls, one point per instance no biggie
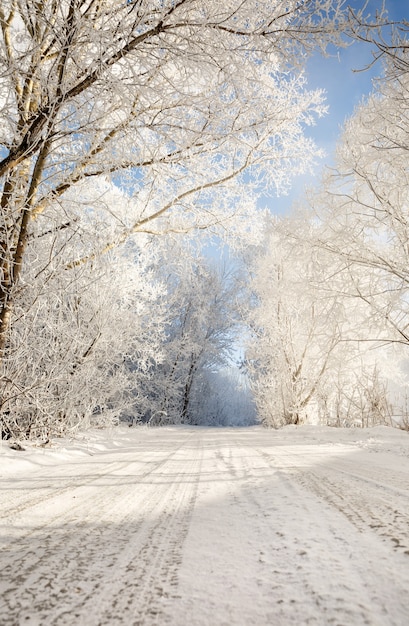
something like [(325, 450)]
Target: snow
[(183, 525)]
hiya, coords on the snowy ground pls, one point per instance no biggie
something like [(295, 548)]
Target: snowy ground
[(201, 527)]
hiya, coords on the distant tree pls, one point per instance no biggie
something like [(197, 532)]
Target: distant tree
[(201, 324), (224, 398)]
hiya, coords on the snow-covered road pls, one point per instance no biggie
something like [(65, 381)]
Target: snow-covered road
[(207, 527)]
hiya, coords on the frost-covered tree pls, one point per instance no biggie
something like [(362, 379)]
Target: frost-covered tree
[(199, 338), (321, 317), (224, 398), (175, 103), (363, 208), (294, 332), (196, 381), (361, 223), (82, 351), (201, 324), (388, 39), (310, 357)]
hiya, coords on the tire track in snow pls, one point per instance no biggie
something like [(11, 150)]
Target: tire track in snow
[(300, 561), (11, 509), (14, 515), (67, 558), (369, 505), (151, 576), (15, 502), (300, 534), (373, 499)]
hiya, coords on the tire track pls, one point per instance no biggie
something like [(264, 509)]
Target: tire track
[(152, 574), (368, 505), (372, 499), (277, 528), (13, 515), (11, 507), (68, 559)]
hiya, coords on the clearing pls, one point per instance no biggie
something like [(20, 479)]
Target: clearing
[(207, 527)]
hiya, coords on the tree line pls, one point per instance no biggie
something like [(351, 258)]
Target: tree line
[(131, 134)]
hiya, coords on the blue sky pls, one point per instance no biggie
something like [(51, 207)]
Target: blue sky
[(345, 89)]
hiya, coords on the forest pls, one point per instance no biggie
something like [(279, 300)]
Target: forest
[(143, 276)]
